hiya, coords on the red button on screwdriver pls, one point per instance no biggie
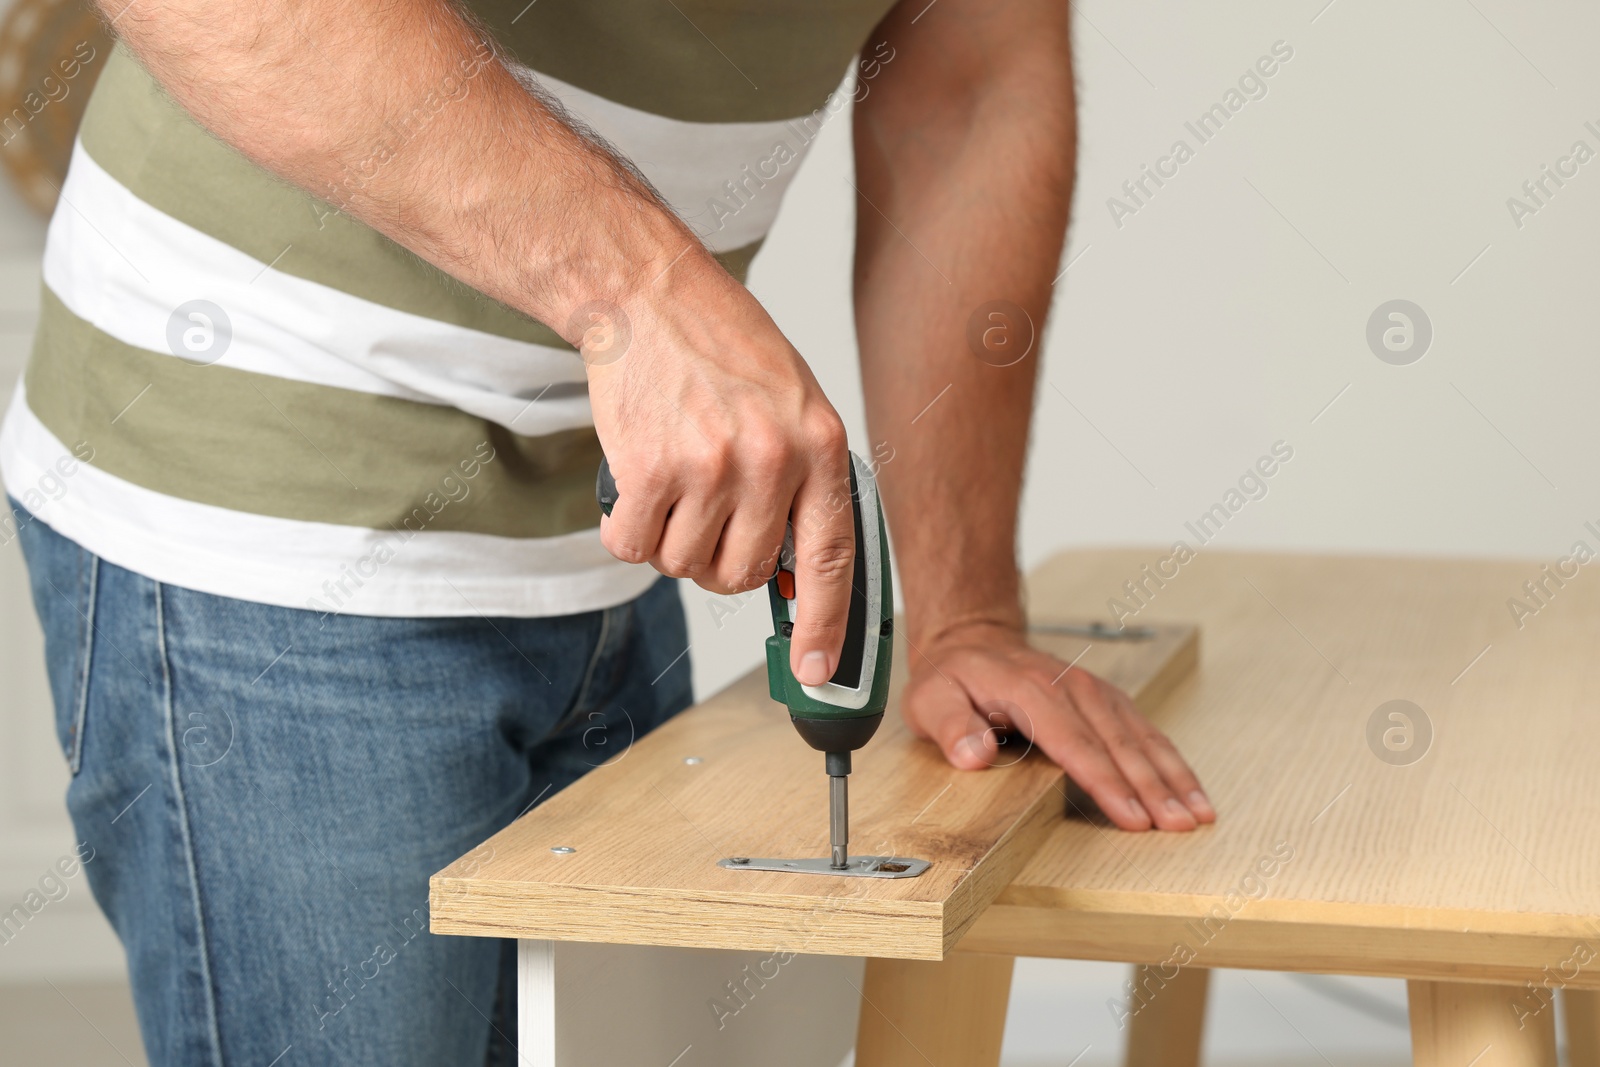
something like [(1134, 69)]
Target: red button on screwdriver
[(786, 584)]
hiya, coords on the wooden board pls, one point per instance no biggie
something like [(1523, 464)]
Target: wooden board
[(1477, 861), (648, 829)]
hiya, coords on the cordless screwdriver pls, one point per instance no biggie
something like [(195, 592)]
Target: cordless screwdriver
[(840, 715)]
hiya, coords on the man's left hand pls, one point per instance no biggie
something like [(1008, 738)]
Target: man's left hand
[(974, 688)]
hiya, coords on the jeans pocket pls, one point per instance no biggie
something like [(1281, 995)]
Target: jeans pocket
[(64, 578)]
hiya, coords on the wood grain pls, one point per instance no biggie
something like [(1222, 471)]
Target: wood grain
[(1168, 1030), (1476, 862), (922, 1013), (1454, 1025), (1581, 1009), (648, 829)]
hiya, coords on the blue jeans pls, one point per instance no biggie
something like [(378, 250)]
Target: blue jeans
[(266, 791)]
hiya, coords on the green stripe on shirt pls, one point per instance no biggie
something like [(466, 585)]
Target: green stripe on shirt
[(272, 446)]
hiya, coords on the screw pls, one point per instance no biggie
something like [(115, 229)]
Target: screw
[(741, 860), (563, 850), (693, 761)]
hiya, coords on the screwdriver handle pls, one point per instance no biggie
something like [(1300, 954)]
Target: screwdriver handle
[(605, 487)]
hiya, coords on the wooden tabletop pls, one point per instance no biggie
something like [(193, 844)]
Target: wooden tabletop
[(730, 777), (1471, 854)]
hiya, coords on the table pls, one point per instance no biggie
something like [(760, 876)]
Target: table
[(1447, 840)]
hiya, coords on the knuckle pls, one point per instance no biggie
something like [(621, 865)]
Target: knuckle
[(826, 434), (1124, 743), (830, 559), (683, 566), (629, 552), (767, 449)]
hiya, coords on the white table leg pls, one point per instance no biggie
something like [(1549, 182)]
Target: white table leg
[(587, 1005)]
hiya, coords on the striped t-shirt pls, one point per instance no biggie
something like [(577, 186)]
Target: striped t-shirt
[(238, 389)]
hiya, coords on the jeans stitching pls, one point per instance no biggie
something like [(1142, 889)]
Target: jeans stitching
[(581, 701), (213, 1032), (80, 714)]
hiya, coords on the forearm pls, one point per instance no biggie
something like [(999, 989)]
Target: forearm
[(400, 114), (973, 163)]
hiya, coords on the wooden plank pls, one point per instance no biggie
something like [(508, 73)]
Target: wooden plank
[(950, 1013), (1581, 1008), (648, 828), (1453, 1025), (1167, 1028), (1475, 861), (1319, 940), (601, 1005)]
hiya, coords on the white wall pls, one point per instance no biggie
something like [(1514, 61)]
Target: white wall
[(1211, 324), (1226, 313)]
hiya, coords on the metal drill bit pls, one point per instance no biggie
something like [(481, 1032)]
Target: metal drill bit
[(839, 820)]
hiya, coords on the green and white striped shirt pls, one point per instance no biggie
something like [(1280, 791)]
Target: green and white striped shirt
[(238, 389)]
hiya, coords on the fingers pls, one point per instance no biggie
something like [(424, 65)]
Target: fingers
[(748, 552), (632, 532), (1064, 735), (709, 521), (941, 712), (824, 549), (690, 536), (1164, 756)]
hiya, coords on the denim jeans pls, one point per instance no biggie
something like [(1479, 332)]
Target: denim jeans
[(266, 791)]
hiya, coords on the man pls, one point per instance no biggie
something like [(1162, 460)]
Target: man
[(325, 597)]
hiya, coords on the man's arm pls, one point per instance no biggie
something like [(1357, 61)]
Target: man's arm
[(964, 146), (714, 426)]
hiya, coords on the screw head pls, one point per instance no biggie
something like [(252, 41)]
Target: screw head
[(563, 850), (741, 860)]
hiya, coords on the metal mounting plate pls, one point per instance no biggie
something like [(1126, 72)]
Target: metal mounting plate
[(859, 866)]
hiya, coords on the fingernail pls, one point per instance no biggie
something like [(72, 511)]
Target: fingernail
[(973, 745), (813, 669), (1199, 799), (1137, 809), (1176, 809)]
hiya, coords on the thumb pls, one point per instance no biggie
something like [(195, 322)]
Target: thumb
[(824, 573), (941, 712)]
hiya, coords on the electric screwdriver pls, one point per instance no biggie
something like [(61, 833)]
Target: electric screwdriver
[(840, 715)]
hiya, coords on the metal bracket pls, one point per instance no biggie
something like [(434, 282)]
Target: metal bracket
[(1097, 630), (858, 866)]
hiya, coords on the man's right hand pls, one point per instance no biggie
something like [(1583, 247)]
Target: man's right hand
[(715, 428), (718, 435)]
